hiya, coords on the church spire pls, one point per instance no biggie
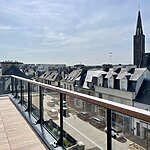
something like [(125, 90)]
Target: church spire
[(139, 42), (139, 30)]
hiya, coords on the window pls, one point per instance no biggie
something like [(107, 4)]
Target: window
[(137, 129), (89, 84), (78, 103), (64, 85), (100, 80), (70, 87), (105, 83), (100, 95)]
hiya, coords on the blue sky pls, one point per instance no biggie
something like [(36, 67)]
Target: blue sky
[(70, 31)]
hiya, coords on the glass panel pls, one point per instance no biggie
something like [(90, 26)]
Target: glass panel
[(129, 133), (5, 85), (35, 101), (51, 112), (25, 93), (17, 87), (84, 124)]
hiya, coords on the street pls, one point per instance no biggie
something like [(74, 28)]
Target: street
[(92, 137)]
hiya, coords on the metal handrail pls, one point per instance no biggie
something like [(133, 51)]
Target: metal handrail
[(122, 108)]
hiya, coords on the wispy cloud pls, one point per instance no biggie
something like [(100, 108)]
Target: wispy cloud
[(9, 28)]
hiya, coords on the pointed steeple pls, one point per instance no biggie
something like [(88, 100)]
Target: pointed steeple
[(138, 43), (139, 30)]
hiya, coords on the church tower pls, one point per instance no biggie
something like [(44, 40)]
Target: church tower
[(139, 42)]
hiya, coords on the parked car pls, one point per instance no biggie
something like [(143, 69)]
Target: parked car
[(97, 122), (53, 113), (84, 115), (51, 103), (116, 132)]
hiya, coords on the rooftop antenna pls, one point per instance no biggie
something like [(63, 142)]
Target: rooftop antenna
[(110, 57)]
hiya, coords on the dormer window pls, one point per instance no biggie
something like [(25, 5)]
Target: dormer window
[(89, 84), (105, 83), (100, 81)]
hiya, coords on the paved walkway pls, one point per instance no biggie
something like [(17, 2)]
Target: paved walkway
[(15, 133)]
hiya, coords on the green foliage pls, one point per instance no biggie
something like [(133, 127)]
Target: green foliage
[(66, 143), (55, 131)]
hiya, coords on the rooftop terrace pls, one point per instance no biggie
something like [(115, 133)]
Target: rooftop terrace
[(15, 132)]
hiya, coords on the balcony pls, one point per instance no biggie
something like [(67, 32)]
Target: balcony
[(15, 133), (58, 128)]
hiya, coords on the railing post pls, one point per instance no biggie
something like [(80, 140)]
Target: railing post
[(29, 99), (16, 90), (61, 121), (21, 94), (12, 85), (109, 139), (41, 106)]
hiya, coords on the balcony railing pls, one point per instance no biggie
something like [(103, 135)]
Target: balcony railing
[(77, 120)]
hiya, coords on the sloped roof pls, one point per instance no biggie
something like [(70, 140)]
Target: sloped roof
[(110, 73), (123, 73), (13, 70), (90, 75), (72, 76), (78, 79), (44, 75), (143, 95), (137, 73), (53, 76), (133, 76)]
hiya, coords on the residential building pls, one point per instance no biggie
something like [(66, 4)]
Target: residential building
[(12, 68), (70, 82), (119, 84), (52, 77), (121, 87), (142, 101)]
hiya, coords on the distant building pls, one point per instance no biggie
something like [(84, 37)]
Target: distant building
[(52, 77), (5, 65), (139, 42), (10, 68), (140, 58), (49, 66), (145, 61), (71, 82), (0, 70)]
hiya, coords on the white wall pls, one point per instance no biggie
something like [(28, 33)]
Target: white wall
[(100, 81), (111, 82), (123, 84), (115, 92), (68, 85)]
